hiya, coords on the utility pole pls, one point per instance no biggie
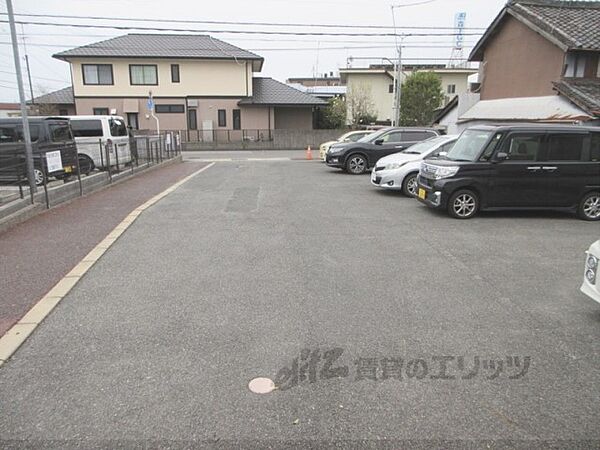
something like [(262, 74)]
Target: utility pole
[(26, 133), (397, 73), (29, 78), (27, 63)]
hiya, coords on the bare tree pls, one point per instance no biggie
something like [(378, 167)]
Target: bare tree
[(361, 107)]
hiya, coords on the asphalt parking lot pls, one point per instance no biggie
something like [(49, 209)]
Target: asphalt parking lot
[(383, 323)]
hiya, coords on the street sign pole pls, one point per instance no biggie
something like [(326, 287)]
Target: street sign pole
[(150, 106), (26, 133)]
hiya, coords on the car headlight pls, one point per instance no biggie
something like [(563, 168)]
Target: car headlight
[(445, 172), (393, 166), (592, 262), (591, 267), (590, 275)]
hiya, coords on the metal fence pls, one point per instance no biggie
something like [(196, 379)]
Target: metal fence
[(225, 136), (145, 150)]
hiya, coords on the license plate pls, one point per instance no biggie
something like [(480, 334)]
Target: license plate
[(422, 193), (68, 169)]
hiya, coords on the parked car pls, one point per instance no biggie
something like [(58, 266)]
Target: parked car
[(351, 136), (591, 285), (358, 157), (48, 135), (93, 133), (516, 167), (399, 171)]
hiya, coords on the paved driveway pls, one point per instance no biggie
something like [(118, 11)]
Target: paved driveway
[(383, 323)]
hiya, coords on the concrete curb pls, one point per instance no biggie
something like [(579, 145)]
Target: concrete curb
[(12, 340)]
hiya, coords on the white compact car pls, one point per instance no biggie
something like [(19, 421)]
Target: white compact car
[(399, 171), (591, 280)]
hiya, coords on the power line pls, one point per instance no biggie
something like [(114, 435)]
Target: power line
[(265, 24), (345, 47), (37, 78), (278, 33), (252, 39)]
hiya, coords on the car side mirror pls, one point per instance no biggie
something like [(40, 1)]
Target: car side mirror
[(378, 142), (501, 156)]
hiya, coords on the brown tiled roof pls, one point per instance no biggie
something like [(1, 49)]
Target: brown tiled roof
[(10, 106), (584, 92), (571, 25)]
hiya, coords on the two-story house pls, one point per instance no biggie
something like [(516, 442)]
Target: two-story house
[(534, 50), (196, 83), (378, 82)]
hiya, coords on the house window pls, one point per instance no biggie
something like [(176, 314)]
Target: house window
[(575, 65), (451, 89), (97, 74), (391, 88), (192, 119), (222, 118), (100, 111), (237, 119), (173, 109), (143, 75), (132, 121), (175, 73)]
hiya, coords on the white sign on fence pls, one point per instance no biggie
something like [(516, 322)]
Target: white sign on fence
[(54, 161)]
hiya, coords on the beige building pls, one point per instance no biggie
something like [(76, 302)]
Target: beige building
[(377, 81), (197, 83)]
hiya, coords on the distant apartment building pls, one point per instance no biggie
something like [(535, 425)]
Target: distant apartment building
[(196, 82), (325, 80), (378, 81)]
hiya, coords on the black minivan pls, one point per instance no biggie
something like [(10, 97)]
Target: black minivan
[(516, 167), (48, 134)]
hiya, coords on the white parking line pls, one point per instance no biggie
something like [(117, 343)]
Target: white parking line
[(12, 340), (238, 159)]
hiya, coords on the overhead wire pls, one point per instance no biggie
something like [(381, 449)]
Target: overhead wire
[(258, 32), (241, 23)]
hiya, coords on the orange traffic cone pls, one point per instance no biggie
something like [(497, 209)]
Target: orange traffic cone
[(308, 153)]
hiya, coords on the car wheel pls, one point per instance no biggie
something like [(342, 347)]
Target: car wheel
[(463, 204), (589, 207), (38, 176), (409, 185), (86, 165), (356, 164)]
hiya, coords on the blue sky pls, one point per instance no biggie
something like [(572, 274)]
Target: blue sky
[(297, 55)]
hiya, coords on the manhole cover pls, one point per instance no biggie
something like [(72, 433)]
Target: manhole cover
[(261, 385)]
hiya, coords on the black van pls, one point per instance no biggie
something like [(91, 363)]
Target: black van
[(516, 167), (48, 134)]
